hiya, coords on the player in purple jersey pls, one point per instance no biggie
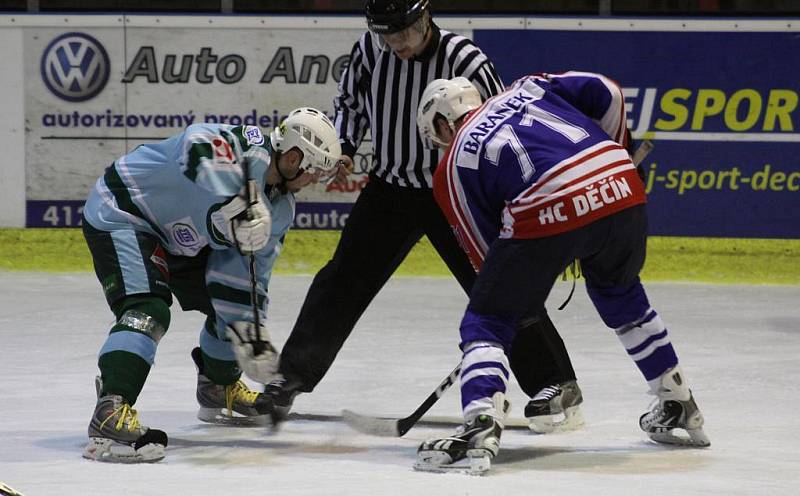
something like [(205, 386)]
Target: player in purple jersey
[(534, 178), (389, 67)]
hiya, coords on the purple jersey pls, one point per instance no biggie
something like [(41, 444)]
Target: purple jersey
[(538, 160)]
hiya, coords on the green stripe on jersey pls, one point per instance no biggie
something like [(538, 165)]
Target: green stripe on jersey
[(197, 153), (238, 134), (123, 197), (226, 293), (216, 236)]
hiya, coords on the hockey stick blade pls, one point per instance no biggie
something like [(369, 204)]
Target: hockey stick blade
[(398, 427), (374, 426)]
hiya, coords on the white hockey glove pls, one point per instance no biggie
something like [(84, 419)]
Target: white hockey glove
[(248, 226), (262, 367)]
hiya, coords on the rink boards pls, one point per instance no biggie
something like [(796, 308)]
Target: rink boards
[(719, 98)]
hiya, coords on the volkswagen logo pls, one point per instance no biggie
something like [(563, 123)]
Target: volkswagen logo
[(75, 67)]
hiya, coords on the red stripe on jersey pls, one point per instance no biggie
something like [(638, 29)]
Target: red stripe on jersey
[(533, 201), (622, 135), (557, 170), (446, 195), (606, 195), (468, 235)]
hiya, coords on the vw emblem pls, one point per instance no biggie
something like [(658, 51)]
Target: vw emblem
[(75, 67)]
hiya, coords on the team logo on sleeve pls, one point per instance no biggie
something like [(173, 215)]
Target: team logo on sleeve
[(253, 135)]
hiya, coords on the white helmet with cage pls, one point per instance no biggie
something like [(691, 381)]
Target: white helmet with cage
[(312, 133), (452, 98)]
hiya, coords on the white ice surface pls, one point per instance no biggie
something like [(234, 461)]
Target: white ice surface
[(739, 346)]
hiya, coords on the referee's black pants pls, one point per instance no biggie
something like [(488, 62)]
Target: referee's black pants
[(384, 224)]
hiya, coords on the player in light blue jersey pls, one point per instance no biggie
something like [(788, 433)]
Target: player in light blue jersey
[(201, 216), (533, 179)]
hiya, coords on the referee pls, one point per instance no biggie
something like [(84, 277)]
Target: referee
[(390, 66)]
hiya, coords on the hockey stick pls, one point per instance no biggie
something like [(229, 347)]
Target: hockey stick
[(644, 149), (386, 427), (252, 198)]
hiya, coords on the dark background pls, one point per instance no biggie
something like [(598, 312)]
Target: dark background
[(760, 8)]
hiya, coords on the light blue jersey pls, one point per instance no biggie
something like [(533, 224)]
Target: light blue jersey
[(173, 190)]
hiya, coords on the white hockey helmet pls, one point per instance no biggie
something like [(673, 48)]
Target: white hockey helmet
[(452, 98), (312, 133)]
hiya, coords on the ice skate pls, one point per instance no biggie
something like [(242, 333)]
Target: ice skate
[(473, 446), (556, 409), (675, 408), (234, 404), (116, 436)]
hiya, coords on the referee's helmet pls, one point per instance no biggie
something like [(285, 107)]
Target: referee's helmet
[(392, 16)]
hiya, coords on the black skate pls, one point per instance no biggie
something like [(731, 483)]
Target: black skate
[(675, 409), (116, 436), (556, 409), (471, 449), (234, 404), (281, 393)]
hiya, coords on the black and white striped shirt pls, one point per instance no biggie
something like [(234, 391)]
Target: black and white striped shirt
[(382, 91)]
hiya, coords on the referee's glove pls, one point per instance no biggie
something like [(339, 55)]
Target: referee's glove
[(345, 169)]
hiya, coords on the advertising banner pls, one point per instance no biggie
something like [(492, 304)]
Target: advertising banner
[(93, 94), (720, 107)]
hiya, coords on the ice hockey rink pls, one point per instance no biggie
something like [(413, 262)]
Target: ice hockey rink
[(739, 346)]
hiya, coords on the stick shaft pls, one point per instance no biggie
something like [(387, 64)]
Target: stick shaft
[(252, 199), (644, 149), (405, 424)]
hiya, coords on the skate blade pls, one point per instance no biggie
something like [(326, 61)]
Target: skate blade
[(221, 416), (6, 490), (109, 451), (570, 420), (473, 464), (694, 438)]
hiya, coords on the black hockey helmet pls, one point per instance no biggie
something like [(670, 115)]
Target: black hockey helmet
[(392, 16)]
